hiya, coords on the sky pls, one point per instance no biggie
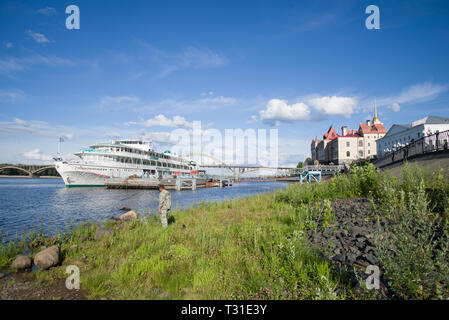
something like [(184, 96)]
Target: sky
[(141, 69)]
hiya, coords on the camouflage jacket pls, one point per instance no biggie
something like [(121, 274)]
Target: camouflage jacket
[(164, 200)]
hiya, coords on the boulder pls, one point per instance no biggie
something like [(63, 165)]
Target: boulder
[(125, 208), (47, 258), (102, 232), (21, 262), (130, 215)]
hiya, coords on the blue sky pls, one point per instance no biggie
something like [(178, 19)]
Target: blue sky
[(143, 68)]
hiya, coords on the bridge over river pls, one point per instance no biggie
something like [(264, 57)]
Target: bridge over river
[(33, 171)]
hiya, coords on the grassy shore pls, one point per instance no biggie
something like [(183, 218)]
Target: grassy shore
[(257, 248)]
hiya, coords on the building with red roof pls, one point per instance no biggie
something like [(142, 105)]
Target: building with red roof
[(350, 145)]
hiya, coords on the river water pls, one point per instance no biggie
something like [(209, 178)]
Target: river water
[(27, 204)]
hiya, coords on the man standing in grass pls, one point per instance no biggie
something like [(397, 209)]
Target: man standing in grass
[(164, 204)]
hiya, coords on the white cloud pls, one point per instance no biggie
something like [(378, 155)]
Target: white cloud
[(36, 154), (188, 58), (19, 122), (417, 93), (48, 11), (38, 37), (9, 45), (395, 107), (13, 64), (210, 93), (421, 92), (192, 57), (278, 110), (11, 95), (339, 106), (20, 127), (163, 121), (118, 102)]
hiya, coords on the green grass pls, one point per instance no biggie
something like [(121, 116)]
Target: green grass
[(249, 248)]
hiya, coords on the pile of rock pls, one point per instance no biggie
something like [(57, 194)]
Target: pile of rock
[(350, 240)]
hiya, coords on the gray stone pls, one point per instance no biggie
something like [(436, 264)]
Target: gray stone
[(339, 257), (102, 232), (371, 259), (368, 249), (130, 215), (352, 257), (125, 208), (47, 258), (21, 262)]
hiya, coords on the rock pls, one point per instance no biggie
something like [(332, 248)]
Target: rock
[(339, 257), (368, 249), (47, 258), (361, 239), (102, 232), (352, 257), (2, 275), (371, 258), (125, 208), (21, 262), (130, 215)]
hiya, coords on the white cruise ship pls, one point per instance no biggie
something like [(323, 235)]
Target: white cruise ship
[(122, 159)]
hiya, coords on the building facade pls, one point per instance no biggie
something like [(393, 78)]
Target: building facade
[(401, 135), (350, 145)]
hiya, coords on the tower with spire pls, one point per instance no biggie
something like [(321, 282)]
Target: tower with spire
[(375, 119)]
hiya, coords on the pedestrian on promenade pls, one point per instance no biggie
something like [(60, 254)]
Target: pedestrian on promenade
[(164, 204)]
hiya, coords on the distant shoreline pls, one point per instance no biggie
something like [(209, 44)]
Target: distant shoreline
[(6, 176)]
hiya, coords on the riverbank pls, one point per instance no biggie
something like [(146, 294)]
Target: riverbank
[(299, 243)]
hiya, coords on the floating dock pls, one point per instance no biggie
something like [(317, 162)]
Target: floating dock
[(179, 183)]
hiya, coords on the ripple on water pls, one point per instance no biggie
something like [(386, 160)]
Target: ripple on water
[(28, 204)]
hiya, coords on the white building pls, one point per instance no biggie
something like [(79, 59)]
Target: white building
[(400, 135)]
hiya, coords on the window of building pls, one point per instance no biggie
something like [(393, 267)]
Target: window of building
[(360, 143), (348, 154), (361, 153), (347, 143), (369, 144), (369, 151)]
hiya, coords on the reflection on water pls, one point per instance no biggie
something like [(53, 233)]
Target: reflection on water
[(28, 203)]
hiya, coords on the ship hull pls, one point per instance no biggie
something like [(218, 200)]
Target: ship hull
[(77, 176)]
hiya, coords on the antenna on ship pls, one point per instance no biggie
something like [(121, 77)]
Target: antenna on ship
[(61, 139)]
